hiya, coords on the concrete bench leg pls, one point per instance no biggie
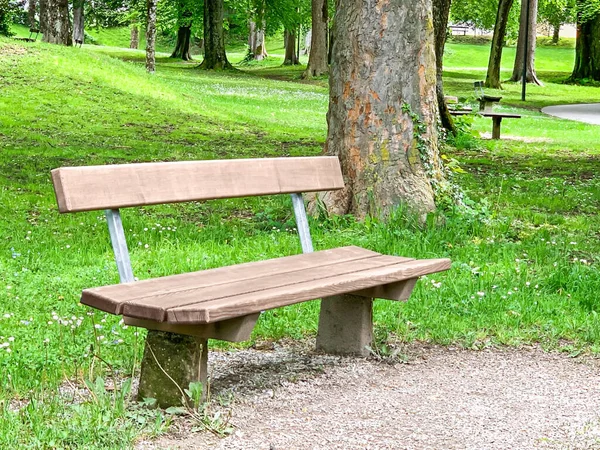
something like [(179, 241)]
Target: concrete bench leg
[(183, 358), (345, 325)]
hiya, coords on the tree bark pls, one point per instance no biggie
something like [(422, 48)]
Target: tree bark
[(151, 36), (43, 16), (31, 15), (383, 107), (214, 39), (256, 42), (182, 48), (441, 12), (78, 22), (528, 41), (134, 40), (587, 50), (317, 59), (291, 58), (492, 80), (556, 34), (57, 29)]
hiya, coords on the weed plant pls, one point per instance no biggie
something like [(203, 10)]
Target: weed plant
[(525, 252)]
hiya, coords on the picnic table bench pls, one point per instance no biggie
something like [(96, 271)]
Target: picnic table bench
[(182, 311), (496, 119)]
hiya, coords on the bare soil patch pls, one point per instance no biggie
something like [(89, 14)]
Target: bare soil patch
[(443, 398)]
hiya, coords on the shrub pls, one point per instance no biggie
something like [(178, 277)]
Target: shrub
[(5, 18)]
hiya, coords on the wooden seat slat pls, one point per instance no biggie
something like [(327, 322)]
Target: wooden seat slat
[(111, 298), (91, 188), (155, 307), (240, 305)]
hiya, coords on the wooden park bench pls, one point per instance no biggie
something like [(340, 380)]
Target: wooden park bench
[(183, 311), (496, 119)]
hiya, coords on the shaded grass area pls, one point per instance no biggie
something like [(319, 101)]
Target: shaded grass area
[(525, 264)]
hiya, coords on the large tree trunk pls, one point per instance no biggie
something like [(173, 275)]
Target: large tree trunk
[(151, 36), (587, 51), (492, 80), (214, 39), (441, 11), (256, 42), (317, 59), (31, 15), (291, 57), (57, 29), (383, 107), (134, 40), (528, 41), (78, 22), (182, 48)]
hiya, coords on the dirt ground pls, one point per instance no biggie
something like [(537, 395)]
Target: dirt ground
[(438, 398)]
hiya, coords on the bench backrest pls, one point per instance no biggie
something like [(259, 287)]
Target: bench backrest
[(91, 188), (478, 87), (111, 187)]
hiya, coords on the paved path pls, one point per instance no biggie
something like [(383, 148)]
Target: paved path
[(588, 112)]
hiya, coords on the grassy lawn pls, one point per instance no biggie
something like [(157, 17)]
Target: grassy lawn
[(525, 258)]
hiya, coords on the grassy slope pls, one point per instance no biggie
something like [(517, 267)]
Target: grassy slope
[(524, 268)]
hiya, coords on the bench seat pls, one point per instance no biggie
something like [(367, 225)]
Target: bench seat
[(233, 291)]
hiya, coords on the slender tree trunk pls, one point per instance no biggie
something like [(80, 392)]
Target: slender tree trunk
[(317, 59), (587, 50), (134, 40), (441, 12), (556, 33), (492, 80), (151, 36), (291, 58), (31, 15), (58, 23), (78, 22), (182, 48), (256, 42), (43, 16), (214, 39), (528, 41), (383, 107), (330, 47)]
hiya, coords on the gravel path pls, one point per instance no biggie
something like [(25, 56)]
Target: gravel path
[(443, 398)]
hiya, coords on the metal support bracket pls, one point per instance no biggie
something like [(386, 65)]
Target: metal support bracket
[(119, 245), (302, 223)]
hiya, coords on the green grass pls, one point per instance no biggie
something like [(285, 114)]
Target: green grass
[(525, 264)]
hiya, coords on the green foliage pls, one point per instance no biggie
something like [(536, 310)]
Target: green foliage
[(6, 17), (557, 12), (587, 10), (482, 14)]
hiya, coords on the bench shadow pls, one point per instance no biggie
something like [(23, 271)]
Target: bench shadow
[(252, 371)]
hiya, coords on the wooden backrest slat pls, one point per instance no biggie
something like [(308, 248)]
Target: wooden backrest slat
[(90, 188)]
